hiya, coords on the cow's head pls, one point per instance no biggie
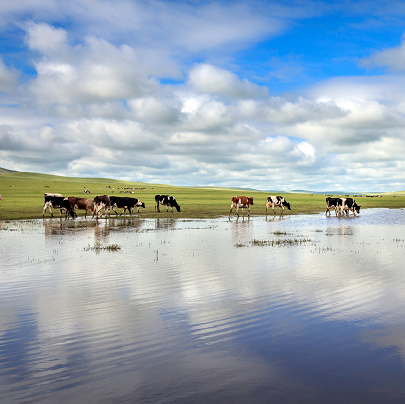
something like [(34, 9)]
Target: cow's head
[(142, 204), (356, 207), (177, 207), (250, 201), (287, 205)]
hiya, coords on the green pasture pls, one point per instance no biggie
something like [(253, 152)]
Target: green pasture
[(23, 195)]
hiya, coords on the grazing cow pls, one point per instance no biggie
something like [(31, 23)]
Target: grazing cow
[(332, 203), (82, 203), (347, 204), (102, 202), (167, 200), (57, 201), (277, 201), (241, 202), (125, 203)]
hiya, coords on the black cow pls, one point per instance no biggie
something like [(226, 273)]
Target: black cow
[(347, 204), (102, 202), (57, 201), (332, 203), (279, 201), (167, 200), (125, 203)]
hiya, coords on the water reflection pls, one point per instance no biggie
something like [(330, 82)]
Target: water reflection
[(215, 318)]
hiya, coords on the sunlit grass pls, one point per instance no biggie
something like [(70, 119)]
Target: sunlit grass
[(23, 195)]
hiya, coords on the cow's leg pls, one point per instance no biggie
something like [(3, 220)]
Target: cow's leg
[(49, 206), (282, 209), (273, 206), (236, 210), (230, 210), (248, 211), (267, 205)]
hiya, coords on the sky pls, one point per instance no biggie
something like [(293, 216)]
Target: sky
[(270, 95)]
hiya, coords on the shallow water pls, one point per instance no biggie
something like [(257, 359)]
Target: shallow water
[(300, 309)]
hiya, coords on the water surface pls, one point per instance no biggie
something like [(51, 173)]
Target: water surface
[(298, 309)]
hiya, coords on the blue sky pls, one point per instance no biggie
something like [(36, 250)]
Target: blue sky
[(268, 95)]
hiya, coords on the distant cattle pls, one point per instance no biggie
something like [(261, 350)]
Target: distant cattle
[(102, 202), (167, 200), (332, 203), (125, 203), (241, 202), (348, 204), (57, 201), (279, 201), (82, 203)]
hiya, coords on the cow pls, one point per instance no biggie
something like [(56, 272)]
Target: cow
[(241, 202), (347, 204), (82, 203), (332, 203), (102, 202), (167, 200), (125, 203), (57, 201), (279, 201)]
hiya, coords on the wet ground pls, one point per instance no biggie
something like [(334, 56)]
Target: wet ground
[(300, 309)]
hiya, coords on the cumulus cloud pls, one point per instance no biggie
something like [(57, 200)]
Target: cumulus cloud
[(98, 104), (210, 79), (8, 78), (392, 58)]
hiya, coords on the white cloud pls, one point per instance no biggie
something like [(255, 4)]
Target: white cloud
[(8, 77), (210, 79), (96, 105)]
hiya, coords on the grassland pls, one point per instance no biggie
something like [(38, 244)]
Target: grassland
[(23, 195)]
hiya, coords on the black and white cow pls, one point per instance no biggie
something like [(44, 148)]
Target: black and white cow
[(125, 203), (332, 203), (167, 200), (102, 202), (279, 201), (348, 204), (57, 201)]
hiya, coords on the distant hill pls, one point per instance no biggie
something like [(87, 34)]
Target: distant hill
[(5, 171)]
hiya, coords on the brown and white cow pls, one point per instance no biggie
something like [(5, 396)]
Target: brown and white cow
[(102, 202), (279, 201), (82, 203), (241, 202)]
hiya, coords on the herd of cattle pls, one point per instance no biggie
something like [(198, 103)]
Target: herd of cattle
[(69, 205)]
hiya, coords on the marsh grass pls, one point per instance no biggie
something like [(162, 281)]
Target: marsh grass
[(98, 247), (275, 243)]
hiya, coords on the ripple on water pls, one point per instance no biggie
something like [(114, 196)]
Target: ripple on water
[(203, 310)]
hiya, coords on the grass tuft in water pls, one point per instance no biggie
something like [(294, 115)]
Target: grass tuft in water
[(274, 243), (98, 247)]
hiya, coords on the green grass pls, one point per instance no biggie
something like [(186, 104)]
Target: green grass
[(23, 195)]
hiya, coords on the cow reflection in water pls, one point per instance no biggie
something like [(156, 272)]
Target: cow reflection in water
[(101, 230), (165, 224)]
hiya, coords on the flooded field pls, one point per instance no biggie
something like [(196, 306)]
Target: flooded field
[(300, 309)]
